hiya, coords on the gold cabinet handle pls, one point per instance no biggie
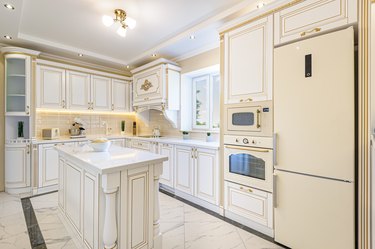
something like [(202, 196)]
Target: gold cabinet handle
[(258, 118), (28, 149), (248, 190), (310, 31), (89, 105), (249, 99), (113, 107), (63, 104), (241, 100), (246, 148), (27, 110)]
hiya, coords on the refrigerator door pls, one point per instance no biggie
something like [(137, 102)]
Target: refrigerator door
[(312, 212), (314, 106)]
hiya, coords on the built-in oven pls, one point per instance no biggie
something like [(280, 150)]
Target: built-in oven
[(251, 119), (249, 161)]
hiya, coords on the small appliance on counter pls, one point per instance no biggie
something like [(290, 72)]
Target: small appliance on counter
[(50, 133), (156, 132), (77, 131)]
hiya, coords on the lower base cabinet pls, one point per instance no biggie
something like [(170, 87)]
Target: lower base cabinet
[(48, 160), (252, 204), (168, 170), (17, 166), (184, 169)]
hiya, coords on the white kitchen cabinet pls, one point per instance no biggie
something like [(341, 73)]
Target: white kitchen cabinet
[(184, 169), (311, 17), (120, 96), (250, 203), (100, 93), (248, 62), (61, 189), (207, 175), (168, 166), (118, 142), (157, 83), (50, 87), (141, 145), (17, 166), (78, 90), (48, 161)]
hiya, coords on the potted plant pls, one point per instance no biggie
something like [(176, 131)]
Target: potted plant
[(185, 135), (209, 138)]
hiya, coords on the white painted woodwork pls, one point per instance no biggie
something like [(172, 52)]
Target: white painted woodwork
[(89, 210), (250, 203), (140, 144), (73, 201), (312, 17), (61, 188), (17, 166), (48, 161), (118, 142), (157, 236), (157, 84), (50, 87), (168, 166), (206, 175), (78, 90), (17, 85), (100, 93), (248, 53), (120, 96), (184, 169)]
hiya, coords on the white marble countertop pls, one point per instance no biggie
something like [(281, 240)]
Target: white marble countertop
[(171, 140), (115, 160)]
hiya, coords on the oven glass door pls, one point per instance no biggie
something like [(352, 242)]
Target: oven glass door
[(249, 166), (244, 119)]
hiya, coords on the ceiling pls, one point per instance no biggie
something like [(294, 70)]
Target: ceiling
[(66, 28)]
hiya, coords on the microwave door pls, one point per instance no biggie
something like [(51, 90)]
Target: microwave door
[(244, 119)]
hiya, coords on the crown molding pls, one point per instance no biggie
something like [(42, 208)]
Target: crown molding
[(196, 52)]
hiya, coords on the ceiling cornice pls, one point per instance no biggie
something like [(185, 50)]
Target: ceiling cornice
[(196, 52)]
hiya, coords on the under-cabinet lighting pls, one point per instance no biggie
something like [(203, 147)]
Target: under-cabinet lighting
[(9, 6), (127, 66), (42, 110)]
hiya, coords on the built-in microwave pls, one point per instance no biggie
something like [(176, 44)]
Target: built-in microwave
[(250, 119)]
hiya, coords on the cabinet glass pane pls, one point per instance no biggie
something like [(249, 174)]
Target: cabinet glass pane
[(16, 84), (247, 165), (201, 92), (216, 102)]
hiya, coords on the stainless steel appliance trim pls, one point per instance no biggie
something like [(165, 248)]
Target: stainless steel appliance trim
[(246, 148)]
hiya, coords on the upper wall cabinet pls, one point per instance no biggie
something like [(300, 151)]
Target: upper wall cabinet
[(69, 89), (157, 83), (248, 56), (311, 16)]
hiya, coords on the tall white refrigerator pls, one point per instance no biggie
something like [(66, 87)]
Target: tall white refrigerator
[(314, 122)]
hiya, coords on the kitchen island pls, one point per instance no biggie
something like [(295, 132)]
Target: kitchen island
[(111, 198)]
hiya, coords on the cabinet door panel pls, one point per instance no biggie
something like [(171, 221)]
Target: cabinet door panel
[(61, 183), (248, 62), (50, 87), (48, 165), (17, 167), (167, 176), (73, 183), (101, 93), (89, 210), (206, 175), (148, 87), (184, 169), (78, 90), (120, 95)]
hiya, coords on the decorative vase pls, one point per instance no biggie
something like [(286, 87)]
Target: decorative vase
[(20, 130)]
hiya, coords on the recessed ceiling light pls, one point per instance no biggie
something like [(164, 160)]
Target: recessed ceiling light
[(80, 55), (153, 55), (260, 5), (192, 37), (8, 37), (9, 6), (127, 66)]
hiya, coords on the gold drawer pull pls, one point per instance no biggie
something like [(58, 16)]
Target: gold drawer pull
[(310, 31), (248, 190)]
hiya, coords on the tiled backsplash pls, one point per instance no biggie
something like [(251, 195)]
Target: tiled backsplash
[(93, 124)]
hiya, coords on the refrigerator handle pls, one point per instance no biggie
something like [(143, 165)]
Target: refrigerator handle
[(274, 149), (274, 196)]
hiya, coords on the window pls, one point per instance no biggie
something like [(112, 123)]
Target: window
[(206, 102)]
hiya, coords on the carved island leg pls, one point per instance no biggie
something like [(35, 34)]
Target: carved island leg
[(110, 185), (158, 170)]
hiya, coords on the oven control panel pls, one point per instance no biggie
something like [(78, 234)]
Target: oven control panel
[(261, 142)]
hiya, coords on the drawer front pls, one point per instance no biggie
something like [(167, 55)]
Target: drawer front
[(249, 203), (148, 87), (142, 145), (311, 17)]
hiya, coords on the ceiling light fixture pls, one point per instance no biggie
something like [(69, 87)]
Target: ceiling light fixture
[(260, 5), (80, 55), (9, 6), (8, 37), (192, 37), (127, 66), (122, 19)]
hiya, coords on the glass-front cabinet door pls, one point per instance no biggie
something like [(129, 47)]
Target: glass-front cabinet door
[(17, 85)]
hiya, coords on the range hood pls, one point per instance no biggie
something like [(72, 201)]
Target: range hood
[(156, 86)]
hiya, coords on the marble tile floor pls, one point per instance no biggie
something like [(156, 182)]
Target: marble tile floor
[(182, 226)]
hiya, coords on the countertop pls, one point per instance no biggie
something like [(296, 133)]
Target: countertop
[(116, 159), (170, 140)]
